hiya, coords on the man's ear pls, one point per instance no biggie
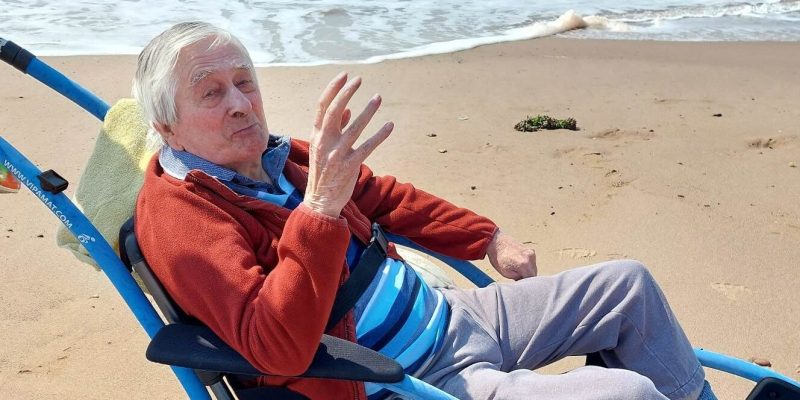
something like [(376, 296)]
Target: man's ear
[(168, 135)]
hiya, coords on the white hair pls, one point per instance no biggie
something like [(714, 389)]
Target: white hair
[(155, 83)]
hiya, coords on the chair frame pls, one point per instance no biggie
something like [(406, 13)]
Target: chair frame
[(48, 188)]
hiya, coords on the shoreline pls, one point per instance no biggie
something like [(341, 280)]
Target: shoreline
[(708, 203), (391, 57)]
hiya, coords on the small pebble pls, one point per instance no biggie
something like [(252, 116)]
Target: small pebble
[(39, 236), (473, 187), (464, 118), (681, 196), (94, 296), (431, 135), (717, 115), (792, 164), (760, 361), (552, 213), (442, 151)]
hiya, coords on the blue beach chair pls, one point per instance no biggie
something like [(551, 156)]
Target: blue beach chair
[(197, 356)]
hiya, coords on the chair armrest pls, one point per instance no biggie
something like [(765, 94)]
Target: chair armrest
[(773, 388), (463, 267), (197, 347)]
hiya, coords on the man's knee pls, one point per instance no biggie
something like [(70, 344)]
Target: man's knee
[(631, 271), (631, 384)]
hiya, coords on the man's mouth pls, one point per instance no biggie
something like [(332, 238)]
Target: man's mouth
[(248, 129)]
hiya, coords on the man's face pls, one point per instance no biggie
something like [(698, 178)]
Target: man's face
[(220, 114)]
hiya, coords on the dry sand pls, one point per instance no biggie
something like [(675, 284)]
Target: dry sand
[(710, 204)]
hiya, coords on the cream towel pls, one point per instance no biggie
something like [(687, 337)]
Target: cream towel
[(112, 177)]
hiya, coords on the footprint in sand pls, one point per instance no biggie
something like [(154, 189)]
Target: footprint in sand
[(492, 148), (576, 253), (731, 291), (668, 101), (616, 180), (568, 151), (772, 142), (618, 134)]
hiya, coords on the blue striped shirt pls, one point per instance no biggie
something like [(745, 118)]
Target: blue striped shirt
[(398, 315)]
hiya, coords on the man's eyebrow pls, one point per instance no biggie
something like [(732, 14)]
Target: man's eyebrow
[(202, 74), (244, 65), (199, 76)]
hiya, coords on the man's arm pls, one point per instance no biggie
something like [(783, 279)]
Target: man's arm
[(266, 297), (440, 225), (422, 217)]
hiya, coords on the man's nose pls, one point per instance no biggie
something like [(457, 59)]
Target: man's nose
[(239, 104)]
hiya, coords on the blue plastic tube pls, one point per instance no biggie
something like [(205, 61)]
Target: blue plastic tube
[(66, 212), (71, 90), (739, 367), (465, 268)]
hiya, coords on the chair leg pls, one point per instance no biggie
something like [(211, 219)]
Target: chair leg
[(222, 391)]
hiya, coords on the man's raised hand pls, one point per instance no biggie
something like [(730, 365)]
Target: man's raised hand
[(333, 162)]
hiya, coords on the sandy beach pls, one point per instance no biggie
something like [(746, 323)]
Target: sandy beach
[(711, 204)]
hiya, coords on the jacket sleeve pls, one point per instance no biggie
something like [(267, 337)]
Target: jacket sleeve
[(428, 220), (273, 315)]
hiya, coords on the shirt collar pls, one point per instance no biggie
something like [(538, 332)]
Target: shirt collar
[(178, 163)]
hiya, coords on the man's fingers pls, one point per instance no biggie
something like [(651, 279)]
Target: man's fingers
[(333, 115), (352, 133), (327, 96), (345, 117), (510, 274), (366, 148)]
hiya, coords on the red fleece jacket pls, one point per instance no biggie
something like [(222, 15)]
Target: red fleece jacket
[(263, 277)]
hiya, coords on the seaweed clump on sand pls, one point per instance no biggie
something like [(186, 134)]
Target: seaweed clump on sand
[(533, 124)]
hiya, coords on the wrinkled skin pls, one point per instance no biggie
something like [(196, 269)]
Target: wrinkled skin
[(333, 162)]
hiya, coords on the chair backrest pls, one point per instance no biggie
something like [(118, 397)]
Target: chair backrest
[(133, 258), (335, 358)]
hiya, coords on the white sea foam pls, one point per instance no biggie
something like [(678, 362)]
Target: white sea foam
[(566, 22), (286, 32)]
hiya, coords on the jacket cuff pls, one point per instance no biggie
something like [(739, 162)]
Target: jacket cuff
[(484, 249), (340, 220)]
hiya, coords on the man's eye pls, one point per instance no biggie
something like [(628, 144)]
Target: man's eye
[(247, 83), (209, 93)]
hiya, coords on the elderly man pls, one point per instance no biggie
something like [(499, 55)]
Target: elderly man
[(253, 235)]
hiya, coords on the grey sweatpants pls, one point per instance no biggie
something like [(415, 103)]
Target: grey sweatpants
[(497, 335)]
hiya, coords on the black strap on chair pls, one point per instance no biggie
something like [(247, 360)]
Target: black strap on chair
[(371, 259)]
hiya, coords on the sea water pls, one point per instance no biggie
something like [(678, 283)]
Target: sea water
[(280, 32)]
